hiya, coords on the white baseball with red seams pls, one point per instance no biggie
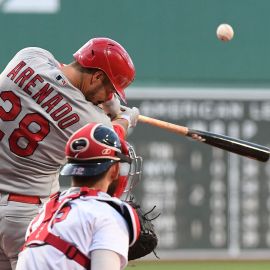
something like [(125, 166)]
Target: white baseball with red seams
[(225, 32)]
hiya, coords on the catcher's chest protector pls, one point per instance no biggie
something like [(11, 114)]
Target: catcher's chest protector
[(43, 235)]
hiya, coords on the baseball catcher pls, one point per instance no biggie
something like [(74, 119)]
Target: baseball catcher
[(87, 226)]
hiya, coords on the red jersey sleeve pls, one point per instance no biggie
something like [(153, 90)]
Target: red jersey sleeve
[(120, 131)]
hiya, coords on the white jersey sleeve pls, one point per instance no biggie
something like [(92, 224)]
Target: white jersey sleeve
[(39, 110), (111, 233)]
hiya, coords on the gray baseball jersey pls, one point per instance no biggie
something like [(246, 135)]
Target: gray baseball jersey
[(39, 110)]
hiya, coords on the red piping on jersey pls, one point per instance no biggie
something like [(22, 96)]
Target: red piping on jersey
[(137, 225)]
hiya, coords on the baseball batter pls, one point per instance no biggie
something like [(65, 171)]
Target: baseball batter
[(42, 103), (84, 227)]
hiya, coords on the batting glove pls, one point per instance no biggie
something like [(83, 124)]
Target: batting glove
[(130, 114), (112, 107)]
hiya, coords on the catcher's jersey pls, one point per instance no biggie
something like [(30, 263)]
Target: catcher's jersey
[(39, 110), (89, 224)]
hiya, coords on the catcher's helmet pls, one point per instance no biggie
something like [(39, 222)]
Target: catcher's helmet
[(109, 56), (93, 149)]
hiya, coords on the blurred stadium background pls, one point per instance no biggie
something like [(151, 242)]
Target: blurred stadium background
[(213, 205)]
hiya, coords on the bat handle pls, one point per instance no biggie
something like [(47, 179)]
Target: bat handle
[(162, 124)]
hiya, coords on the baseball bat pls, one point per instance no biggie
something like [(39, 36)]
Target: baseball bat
[(240, 147)]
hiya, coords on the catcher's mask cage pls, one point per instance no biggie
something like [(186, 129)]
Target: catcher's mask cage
[(130, 173), (94, 148)]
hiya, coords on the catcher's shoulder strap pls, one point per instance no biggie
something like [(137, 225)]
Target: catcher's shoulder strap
[(130, 215), (43, 235)]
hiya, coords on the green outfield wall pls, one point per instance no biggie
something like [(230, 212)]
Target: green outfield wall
[(171, 42)]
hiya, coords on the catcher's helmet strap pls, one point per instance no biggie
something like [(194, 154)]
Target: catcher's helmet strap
[(131, 217)]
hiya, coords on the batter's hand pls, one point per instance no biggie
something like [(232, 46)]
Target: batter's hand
[(112, 106), (130, 114)]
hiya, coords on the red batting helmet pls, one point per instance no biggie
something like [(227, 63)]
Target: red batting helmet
[(109, 56)]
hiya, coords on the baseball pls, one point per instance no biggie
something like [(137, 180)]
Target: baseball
[(225, 32)]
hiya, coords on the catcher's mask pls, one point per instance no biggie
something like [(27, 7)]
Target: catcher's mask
[(94, 148), (109, 56), (130, 172)]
